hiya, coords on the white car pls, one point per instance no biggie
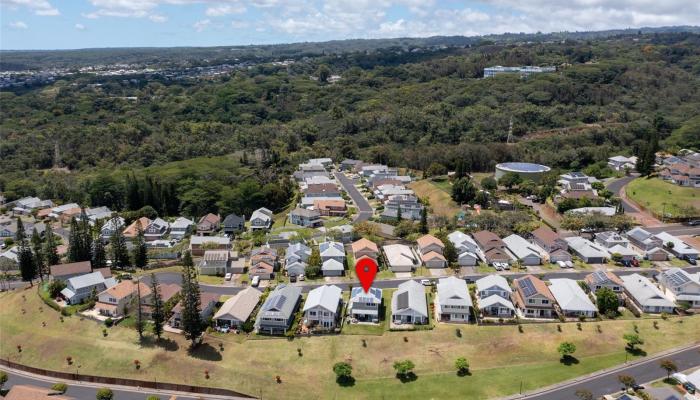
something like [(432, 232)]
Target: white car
[(426, 282), (255, 281), (301, 277), (228, 276)]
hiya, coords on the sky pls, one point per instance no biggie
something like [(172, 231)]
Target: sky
[(68, 24)]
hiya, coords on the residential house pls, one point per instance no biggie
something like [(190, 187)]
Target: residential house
[(262, 269), (237, 310), (572, 300), (206, 300), (277, 312), (324, 161), (533, 298), (466, 248), (26, 205), (199, 244), (645, 295), (98, 213), (295, 259), (79, 288), (622, 163), (234, 224), (626, 254), (208, 224), (344, 233), (236, 263), (323, 307), (555, 246), (400, 258), (364, 247), (214, 262), (11, 255), (453, 302), (411, 208), (166, 291), (117, 300), (306, 218), (605, 279), (365, 306), (408, 304), (491, 285), (261, 219), (322, 190), (63, 272), (431, 251), (492, 247), (331, 207), (156, 230), (56, 212), (523, 251), (588, 251), (680, 286), (109, 227), (678, 247), (643, 239), (332, 257), (263, 262), (610, 239), (349, 164), (31, 392), (132, 230), (496, 306), (180, 228)]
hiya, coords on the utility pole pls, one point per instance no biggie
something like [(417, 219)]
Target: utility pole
[(510, 130)]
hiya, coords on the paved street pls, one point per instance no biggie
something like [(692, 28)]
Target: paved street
[(616, 187), (645, 371), (364, 210)]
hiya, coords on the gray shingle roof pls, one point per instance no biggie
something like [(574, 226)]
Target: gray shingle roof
[(326, 296)]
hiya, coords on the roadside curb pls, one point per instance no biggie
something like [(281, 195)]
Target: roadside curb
[(600, 373)]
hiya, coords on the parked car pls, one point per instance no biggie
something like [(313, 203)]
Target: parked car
[(426, 282), (691, 261), (255, 281), (223, 329), (228, 276), (292, 278), (690, 387), (301, 277), (693, 222)]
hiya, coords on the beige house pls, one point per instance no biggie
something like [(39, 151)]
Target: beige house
[(431, 251), (364, 247), (116, 301)]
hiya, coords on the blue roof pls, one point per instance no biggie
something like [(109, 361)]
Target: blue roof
[(523, 167)]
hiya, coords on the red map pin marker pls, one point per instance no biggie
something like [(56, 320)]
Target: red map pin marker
[(366, 269)]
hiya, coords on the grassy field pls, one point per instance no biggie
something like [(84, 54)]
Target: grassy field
[(440, 200), (659, 196), (500, 356)]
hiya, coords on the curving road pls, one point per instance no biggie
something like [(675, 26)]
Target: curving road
[(606, 382), (616, 187), (364, 209)]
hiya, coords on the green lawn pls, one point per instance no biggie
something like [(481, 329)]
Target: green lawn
[(440, 201), (500, 356), (663, 197)]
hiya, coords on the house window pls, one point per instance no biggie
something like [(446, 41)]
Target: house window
[(616, 288), (531, 301), (312, 313), (545, 301)]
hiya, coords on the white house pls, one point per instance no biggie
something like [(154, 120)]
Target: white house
[(493, 285), (645, 295), (332, 257), (322, 306), (180, 228), (79, 288), (678, 247), (572, 300), (237, 310), (680, 286), (364, 306), (496, 306), (295, 259), (621, 163), (588, 251), (466, 247), (525, 252), (453, 302), (408, 304), (261, 219), (400, 258)]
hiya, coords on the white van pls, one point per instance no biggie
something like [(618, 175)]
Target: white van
[(255, 281)]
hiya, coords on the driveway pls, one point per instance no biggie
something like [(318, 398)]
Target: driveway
[(364, 209)]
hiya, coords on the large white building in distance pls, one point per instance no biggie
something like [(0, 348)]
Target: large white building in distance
[(524, 71)]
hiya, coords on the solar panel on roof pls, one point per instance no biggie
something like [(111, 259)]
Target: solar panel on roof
[(528, 287), (678, 278), (280, 302), (402, 300)]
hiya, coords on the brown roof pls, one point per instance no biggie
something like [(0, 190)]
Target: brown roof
[(324, 204), (126, 288), (488, 240), (210, 218), (427, 240), (106, 273), (591, 278), (29, 392), (431, 255), (495, 253), (263, 265), (538, 284), (59, 270), (321, 188), (43, 212), (71, 212), (545, 235), (204, 299), (579, 194), (168, 290), (386, 181), (364, 243), (132, 230)]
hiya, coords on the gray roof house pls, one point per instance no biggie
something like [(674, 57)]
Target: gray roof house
[(295, 258), (466, 247), (588, 251), (236, 310), (110, 226), (552, 243), (680, 248), (680, 286), (610, 239), (645, 295), (604, 279), (524, 251), (261, 219), (453, 303), (79, 288), (408, 304), (332, 267), (333, 258), (233, 224), (364, 306), (180, 227), (493, 285), (277, 313), (322, 307), (156, 229), (306, 218), (572, 300), (643, 239), (400, 258)]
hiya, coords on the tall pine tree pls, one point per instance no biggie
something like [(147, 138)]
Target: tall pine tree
[(27, 267), (424, 220), (120, 254), (99, 255), (158, 310), (38, 253), (140, 252), (50, 246), (85, 237), (74, 241), (139, 312), (192, 324)]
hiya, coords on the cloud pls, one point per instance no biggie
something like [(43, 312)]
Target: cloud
[(225, 9), (80, 27), (40, 7), (240, 24), (18, 25), (157, 18), (201, 25)]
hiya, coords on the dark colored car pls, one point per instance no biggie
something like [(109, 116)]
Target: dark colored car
[(693, 222)]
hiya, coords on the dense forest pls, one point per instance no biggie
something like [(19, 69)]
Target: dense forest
[(210, 142)]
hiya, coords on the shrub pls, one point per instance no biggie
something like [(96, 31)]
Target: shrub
[(462, 365), (109, 322), (59, 387), (104, 394)]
